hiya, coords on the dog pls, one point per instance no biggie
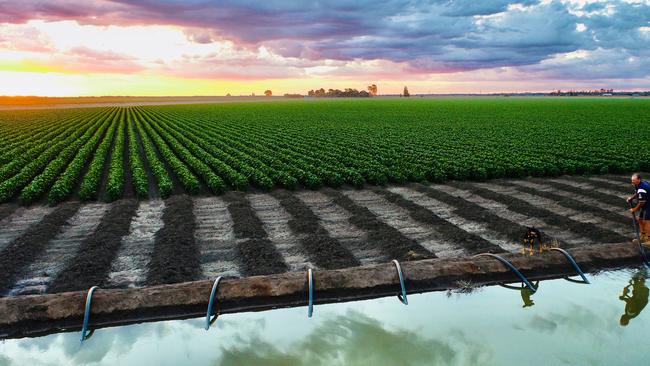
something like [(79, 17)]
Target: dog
[(530, 237)]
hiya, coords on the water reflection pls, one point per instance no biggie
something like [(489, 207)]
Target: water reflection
[(571, 325), (526, 294), (637, 300), (357, 339)]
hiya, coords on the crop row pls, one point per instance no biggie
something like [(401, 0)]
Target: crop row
[(212, 148)]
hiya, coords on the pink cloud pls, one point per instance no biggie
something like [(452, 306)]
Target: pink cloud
[(83, 59)]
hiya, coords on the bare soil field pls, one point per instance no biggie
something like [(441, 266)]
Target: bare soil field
[(131, 243)]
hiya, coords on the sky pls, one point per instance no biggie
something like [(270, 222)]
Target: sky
[(201, 47)]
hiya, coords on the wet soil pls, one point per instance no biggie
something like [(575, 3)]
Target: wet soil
[(7, 209), (586, 230), (471, 242), (470, 211), (325, 251), (97, 252), (623, 188), (605, 198), (572, 203), (388, 239), (175, 253), (257, 255), (23, 251)]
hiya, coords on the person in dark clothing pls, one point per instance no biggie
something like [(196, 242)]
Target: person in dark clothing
[(642, 210)]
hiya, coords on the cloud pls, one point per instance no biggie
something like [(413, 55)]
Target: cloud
[(410, 37)]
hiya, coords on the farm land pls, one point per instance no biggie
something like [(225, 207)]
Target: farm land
[(127, 196)]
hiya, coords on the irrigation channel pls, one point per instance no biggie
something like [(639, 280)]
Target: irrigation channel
[(604, 323), (262, 244)]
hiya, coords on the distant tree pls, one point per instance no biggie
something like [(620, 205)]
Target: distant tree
[(337, 93), (294, 95), (372, 90), (252, 94), (228, 94), (406, 92), (268, 93)]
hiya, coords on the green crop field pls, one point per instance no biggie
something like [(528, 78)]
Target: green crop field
[(113, 152)]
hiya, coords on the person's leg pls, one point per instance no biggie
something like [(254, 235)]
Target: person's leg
[(645, 229)]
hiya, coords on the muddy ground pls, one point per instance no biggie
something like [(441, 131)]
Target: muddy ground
[(131, 243)]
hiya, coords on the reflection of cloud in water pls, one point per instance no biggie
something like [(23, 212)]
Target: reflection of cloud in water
[(356, 339), (4, 361), (577, 318), (541, 324), (97, 347)]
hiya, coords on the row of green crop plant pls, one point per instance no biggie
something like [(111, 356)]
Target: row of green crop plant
[(45, 128), (16, 159), (449, 153), (37, 174), (17, 126), (69, 179), (43, 181), (200, 148)]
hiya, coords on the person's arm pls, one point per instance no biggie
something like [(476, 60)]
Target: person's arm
[(637, 207), (641, 195)]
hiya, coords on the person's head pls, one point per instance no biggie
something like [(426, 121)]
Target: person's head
[(625, 320), (638, 279), (635, 179)]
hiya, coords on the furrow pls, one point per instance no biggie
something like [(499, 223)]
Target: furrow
[(510, 229), (92, 263), (400, 219), (215, 237), (591, 202), (16, 224), (60, 251), (386, 238), (6, 210), (449, 214), (593, 233), (621, 181), (257, 255), (175, 255), (276, 224), (501, 210), (336, 221), (22, 252), (615, 187), (129, 269), (323, 250), (564, 210), (586, 187)]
